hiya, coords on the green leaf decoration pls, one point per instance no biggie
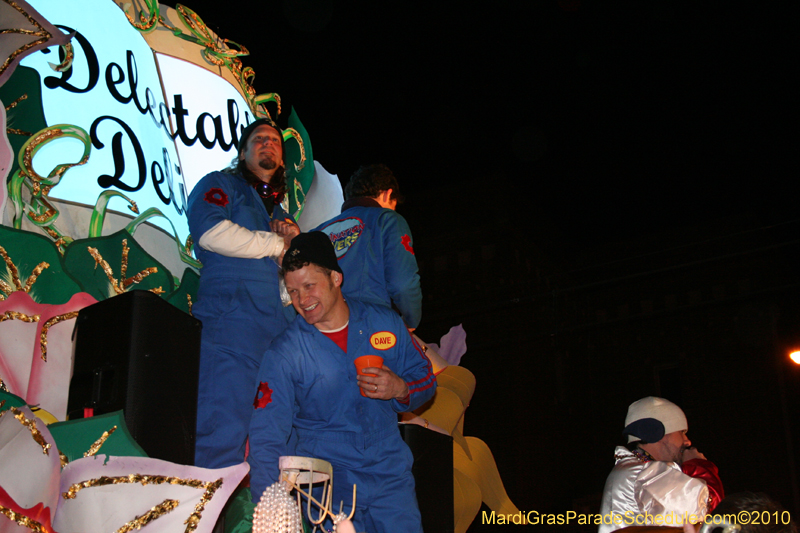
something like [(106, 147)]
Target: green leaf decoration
[(75, 437), (11, 400), (27, 250), (80, 264), (239, 512), (188, 286), (152, 212), (298, 181), (22, 91)]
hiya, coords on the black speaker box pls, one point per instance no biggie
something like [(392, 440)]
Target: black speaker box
[(138, 353), (433, 476)]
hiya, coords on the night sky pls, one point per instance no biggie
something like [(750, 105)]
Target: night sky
[(608, 120)]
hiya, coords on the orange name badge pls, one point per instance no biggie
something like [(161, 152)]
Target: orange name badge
[(383, 340)]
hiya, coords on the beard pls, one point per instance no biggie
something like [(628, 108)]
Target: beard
[(268, 163), (678, 456)]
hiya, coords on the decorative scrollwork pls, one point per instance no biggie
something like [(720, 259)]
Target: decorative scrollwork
[(38, 209), (146, 23)]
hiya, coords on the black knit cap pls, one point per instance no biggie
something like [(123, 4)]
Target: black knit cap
[(251, 128), (312, 247)]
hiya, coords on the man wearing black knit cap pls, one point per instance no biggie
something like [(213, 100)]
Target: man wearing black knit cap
[(308, 388), (241, 231)]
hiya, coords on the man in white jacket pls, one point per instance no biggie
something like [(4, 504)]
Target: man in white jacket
[(647, 485)]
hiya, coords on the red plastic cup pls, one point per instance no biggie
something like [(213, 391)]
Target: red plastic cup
[(367, 361)]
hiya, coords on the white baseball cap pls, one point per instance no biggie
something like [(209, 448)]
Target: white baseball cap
[(649, 419)]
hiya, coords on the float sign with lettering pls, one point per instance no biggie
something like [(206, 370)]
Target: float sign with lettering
[(144, 145)]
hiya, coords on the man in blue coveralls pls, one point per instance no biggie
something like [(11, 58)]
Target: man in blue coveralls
[(308, 384), (241, 231), (374, 245)]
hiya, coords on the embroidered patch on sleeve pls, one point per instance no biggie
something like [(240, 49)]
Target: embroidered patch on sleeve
[(216, 196), (266, 396), (406, 240)]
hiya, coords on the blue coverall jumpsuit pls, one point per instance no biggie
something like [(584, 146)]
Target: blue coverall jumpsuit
[(239, 304), (308, 384)]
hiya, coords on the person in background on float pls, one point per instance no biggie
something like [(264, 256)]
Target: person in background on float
[(242, 231), (374, 246)]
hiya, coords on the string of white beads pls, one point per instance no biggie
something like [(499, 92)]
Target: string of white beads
[(277, 511)]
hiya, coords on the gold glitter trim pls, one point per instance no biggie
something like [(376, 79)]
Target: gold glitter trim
[(194, 519), (226, 53), (64, 460), (98, 260), (139, 277), (14, 104), (298, 188), (189, 303), (15, 131), (209, 488), (216, 50), (156, 512), (120, 287), (14, 273), (59, 240), (31, 425), (48, 214), (124, 267), (24, 521), (37, 209), (145, 24), (291, 133), (43, 35), (261, 99), (4, 389), (36, 271), (43, 137), (2, 402), (99, 442), (16, 315), (143, 479), (69, 55), (31, 146), (46, 327)]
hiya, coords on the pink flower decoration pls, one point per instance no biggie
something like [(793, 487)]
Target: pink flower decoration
[(39, 381)]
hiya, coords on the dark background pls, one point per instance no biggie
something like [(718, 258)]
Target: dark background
[(602, 193)]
